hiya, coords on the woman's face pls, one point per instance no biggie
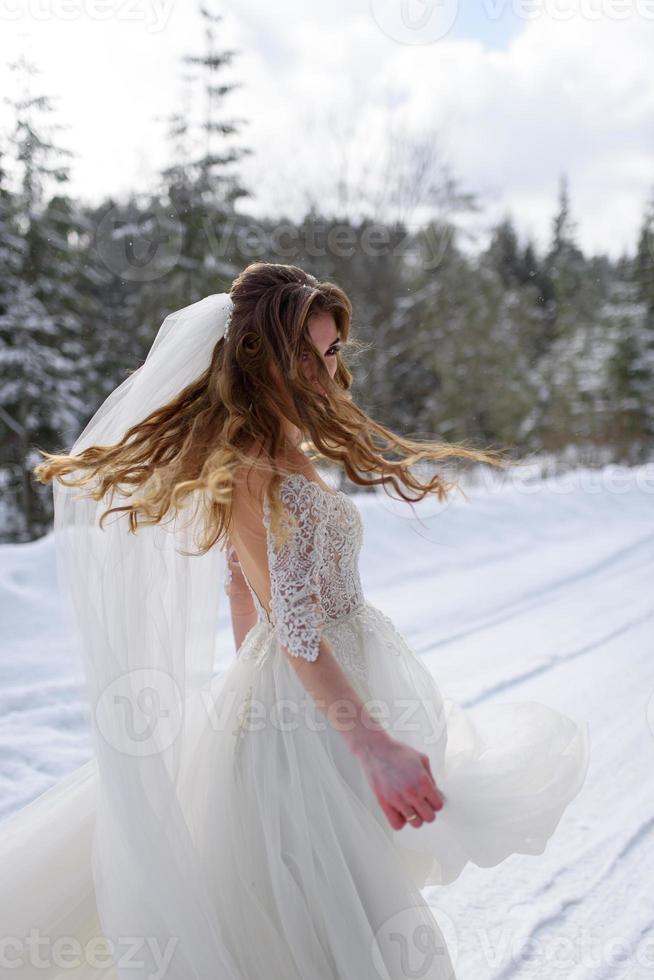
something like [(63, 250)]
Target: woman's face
[(324, 334)]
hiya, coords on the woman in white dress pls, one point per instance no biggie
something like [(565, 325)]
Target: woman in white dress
[(280, 819)]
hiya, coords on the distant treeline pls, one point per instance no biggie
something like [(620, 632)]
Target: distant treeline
[(539, 352)]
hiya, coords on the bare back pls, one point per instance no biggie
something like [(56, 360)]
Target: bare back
[(248, 532)]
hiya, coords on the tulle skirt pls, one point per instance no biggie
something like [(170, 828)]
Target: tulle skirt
[(309, 880)]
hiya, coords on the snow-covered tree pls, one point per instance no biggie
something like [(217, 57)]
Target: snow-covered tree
[(42, 348)]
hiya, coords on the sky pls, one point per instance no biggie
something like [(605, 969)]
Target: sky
[(508, 97)]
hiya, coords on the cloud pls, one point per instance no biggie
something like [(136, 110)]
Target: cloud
[(567, 95), (321, 84)]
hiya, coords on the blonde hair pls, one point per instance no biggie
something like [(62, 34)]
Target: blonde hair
[(197, 442)]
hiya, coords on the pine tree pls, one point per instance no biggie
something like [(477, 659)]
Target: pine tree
[(202, 186), (630, 382), (643, 266), (504, 254), (568, 393), (42, 344)]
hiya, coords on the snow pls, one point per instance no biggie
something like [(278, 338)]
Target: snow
[(532, 589)]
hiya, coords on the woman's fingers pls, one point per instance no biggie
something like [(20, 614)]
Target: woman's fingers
[(408, 811), (424, 799), (424, 809), (432, 792), (404, 786), (395, 818), (427, 763), (434, 796)]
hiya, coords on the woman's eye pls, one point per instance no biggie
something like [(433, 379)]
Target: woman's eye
[(330, 353)]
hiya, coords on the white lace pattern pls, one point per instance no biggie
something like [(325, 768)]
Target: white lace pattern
[(314, 576)]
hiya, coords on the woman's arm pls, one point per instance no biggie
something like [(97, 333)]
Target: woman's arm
[(243, 613), (399, 775)]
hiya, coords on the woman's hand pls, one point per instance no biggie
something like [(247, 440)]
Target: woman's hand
[(402, 781), (399, 775)]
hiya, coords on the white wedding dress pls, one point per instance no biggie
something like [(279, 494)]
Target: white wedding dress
[(308, 879)]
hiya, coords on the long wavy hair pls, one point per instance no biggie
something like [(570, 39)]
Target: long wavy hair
[(196, 442)]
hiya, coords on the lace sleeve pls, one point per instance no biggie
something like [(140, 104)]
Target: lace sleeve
[(294, 567)]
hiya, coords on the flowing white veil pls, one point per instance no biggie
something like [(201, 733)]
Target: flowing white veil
[(145, 615)]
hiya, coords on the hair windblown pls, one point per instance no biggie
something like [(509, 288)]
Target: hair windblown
[(197, 441)]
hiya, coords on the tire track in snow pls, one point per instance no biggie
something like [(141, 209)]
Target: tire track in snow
[(633, 862), (541, 595), (556, 661)]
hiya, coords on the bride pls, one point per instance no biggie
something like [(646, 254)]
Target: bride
[(277, 819)]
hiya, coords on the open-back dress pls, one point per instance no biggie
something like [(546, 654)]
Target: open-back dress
[(309, 880)]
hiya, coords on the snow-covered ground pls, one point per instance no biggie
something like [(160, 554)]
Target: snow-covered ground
[(528, 590)]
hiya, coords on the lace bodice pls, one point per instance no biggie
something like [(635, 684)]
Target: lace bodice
[(314, 574)]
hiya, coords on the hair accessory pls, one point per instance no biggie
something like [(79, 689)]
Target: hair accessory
[(228, 319)]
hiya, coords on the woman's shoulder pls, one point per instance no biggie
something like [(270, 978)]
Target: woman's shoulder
[(288, 461), (255, 472)]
